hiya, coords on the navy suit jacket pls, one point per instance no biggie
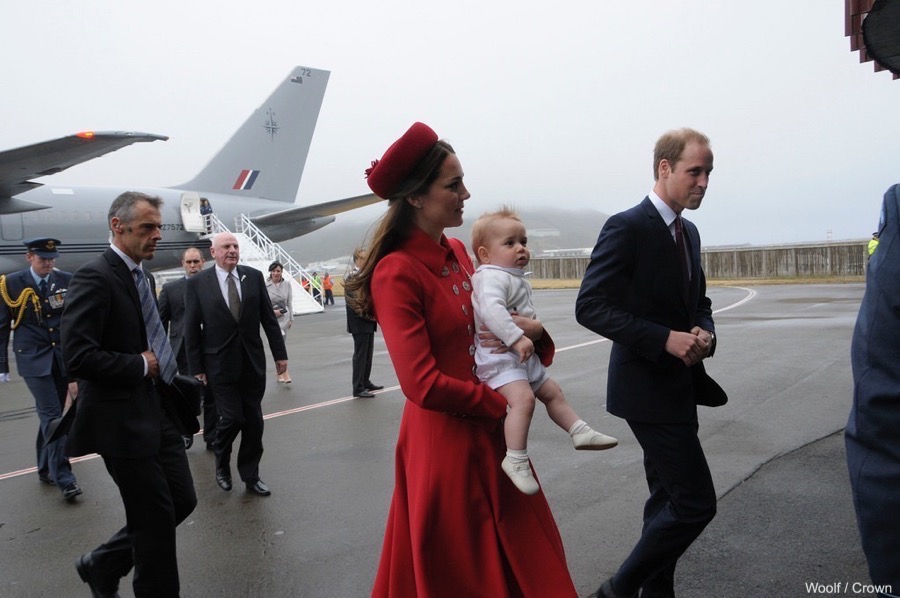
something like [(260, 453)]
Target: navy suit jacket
[(36, 342), (171, 312), (215, 341), (632, 293), (103, 337)]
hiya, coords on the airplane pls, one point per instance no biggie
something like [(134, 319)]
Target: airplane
[(256, 173)]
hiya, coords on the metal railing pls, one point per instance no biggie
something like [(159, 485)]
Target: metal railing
[(274, 252)]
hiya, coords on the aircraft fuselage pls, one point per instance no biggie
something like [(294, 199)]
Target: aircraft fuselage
[(78, 217)]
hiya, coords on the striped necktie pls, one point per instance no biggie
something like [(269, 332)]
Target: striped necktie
[(156, 334)]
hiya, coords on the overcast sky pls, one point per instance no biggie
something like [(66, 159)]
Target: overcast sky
[(547, 103)]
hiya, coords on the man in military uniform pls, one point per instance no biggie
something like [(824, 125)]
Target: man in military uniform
[(31, 304)]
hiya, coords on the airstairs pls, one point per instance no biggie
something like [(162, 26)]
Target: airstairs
[(258, 251)]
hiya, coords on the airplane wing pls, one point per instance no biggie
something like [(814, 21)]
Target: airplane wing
[(321, 210), (18, 166)]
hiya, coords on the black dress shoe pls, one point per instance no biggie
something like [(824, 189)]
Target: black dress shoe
[(223, 479), (364, 395), (374, 387), (45, 479), (606, 591), (89, 575), (71, 491), (259, 488)]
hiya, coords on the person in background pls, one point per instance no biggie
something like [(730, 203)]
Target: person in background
[(873, 243), (171, 313), (363, 331), (317, 287), (645, 290), (206, 211), (114, 344), (31, 304), (328, 287), (500, 288), (282, 298), (871, 436), (457, 526)]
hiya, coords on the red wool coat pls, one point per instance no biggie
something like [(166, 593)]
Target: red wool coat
[(457, 526)]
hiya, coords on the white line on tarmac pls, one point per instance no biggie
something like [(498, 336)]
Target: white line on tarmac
[(32, 470)]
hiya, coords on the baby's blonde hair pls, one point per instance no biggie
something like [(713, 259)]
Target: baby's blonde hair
[(483, 228)]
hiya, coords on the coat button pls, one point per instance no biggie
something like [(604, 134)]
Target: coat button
[(455, 290), (445, 271), (471, 349)]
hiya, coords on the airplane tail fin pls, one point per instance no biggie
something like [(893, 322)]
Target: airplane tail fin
[(266, 156)]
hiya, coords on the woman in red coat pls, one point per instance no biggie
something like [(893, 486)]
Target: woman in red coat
[(457, 526)]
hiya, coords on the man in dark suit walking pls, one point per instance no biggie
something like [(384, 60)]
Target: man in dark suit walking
[(31, 303), (645, 290), (171, 312), (114, 344), (224, 309), (363, 331)]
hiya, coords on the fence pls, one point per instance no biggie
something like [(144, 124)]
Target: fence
[(809, 260)]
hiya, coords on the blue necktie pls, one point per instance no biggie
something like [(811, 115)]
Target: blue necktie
[(156, 335), (43, 287)]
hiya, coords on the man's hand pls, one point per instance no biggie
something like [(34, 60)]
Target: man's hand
[(71, 395), (706, 336), (5, 378), (201, 378), (689, 348), (152, 364)]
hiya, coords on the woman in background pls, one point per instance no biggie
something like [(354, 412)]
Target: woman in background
[(282, 301)]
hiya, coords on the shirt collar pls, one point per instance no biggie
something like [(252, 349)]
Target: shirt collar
[(37, 279), (223, 274), (667, 213), (128, 261)]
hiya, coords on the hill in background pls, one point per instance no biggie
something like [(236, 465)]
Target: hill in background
[(548, 228)]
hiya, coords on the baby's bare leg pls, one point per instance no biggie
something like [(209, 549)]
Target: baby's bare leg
[(518, 419), (558, 408)]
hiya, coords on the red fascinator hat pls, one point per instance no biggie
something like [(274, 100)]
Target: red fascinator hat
[(400, 159)]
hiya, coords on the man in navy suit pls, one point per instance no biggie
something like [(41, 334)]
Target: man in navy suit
[(171, 312), (871, 437), (31, 303), (645, 290), (114, 344), (224, 309)]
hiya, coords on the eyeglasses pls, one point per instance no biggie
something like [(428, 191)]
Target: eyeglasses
[(191, 261)]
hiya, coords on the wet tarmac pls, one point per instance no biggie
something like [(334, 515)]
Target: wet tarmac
[(785, 526)]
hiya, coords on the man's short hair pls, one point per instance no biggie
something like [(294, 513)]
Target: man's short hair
[(123, 207), (671, 145)]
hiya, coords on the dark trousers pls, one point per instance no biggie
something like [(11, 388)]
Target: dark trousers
[(682, 502), (158, 494), (49, 394), (874, 478), (210, 416), (239, 405), (363, 349)]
